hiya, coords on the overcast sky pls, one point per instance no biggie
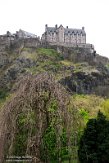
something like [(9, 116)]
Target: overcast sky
[(32, 15)]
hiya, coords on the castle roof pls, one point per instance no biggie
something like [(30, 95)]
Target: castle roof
[(51, 29), (67, 30), (27, 33), (75, 31)]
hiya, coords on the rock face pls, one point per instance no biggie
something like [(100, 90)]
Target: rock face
[(79, 55), (13, 69), (18, 58), (3, 59), (88, 83)]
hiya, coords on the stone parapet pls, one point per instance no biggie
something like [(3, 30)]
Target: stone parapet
[(87, 46)]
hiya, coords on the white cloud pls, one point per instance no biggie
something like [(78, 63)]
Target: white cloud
[(32, 15)]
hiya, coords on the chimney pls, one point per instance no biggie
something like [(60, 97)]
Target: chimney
[(67, 27), (46, 27), (8, 34), (83, 28), (56, 26)]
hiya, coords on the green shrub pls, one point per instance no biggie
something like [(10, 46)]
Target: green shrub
[(50, 53), (105, 107), (84, 113)]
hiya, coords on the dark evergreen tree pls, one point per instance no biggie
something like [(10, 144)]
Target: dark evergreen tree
[(94, 143)]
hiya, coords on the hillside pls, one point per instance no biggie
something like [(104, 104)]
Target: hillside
[(76, 68), (47, 95)]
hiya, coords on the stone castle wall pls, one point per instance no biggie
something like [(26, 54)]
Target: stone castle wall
[(90, 47), (32, 42), (6, 42)]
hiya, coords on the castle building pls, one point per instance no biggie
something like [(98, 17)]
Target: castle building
[(24, 34), (64, 35), (53, 36)]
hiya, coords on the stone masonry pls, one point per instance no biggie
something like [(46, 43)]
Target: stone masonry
[(19, 38), (64, 35), (59, 36), (67, 37)]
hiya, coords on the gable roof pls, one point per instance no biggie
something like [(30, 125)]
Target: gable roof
[(27, 33), (60, 26), (75, 31), (51, 29), (66, 30)]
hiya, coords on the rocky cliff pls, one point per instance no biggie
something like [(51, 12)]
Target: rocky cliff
[(77, 68)]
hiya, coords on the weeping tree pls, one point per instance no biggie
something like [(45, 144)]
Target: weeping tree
[(94, 143), (36, 121)]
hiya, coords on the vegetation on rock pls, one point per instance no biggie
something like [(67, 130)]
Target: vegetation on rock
[(49, 102)]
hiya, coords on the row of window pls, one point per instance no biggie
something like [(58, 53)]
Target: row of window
[(73, 35), (68, 33), (67, 40)]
